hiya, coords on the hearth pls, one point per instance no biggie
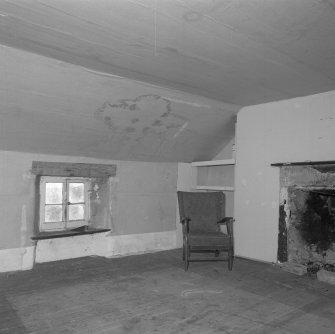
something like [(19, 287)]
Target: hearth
[(307, 214)]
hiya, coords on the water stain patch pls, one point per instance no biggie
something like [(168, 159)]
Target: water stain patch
[(108, 109), (130, 129), (157, 123)]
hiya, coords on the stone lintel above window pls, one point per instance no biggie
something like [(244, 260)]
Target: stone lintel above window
[(70, 169)]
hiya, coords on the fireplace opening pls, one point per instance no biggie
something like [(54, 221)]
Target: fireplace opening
[(306, 234), (309, 223), (317, 225)]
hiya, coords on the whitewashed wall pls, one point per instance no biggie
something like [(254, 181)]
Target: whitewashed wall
[(143, 205), (298, 129)]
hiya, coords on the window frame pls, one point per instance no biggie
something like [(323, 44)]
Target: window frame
[(65, 224)]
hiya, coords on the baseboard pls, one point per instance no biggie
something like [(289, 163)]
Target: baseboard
[(253, 259), (14, 259), (121, 245), (103, 244), (49, 250)]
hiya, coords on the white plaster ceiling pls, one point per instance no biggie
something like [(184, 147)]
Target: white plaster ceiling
[(238, 51), (153, 80)]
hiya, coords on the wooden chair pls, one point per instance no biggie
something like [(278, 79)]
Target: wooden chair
[(205, 227)]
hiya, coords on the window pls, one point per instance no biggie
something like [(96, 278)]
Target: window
[(64, 203)]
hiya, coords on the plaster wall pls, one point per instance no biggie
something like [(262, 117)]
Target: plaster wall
[(143, 197), (299, 129), (228, 152)]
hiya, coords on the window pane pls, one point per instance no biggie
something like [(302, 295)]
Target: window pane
[(53, 213), (76, 212), (76, 192), (53, 193)]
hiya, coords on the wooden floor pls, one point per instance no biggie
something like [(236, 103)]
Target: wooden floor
[(152, 294)]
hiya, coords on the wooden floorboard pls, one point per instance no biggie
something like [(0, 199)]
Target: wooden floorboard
[(153, 294)]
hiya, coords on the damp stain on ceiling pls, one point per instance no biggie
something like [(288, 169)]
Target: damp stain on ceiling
[(53, 107)]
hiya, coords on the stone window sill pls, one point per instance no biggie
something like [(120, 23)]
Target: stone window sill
[(69, 233)]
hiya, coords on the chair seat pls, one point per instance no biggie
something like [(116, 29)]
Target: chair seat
[(211, 239)]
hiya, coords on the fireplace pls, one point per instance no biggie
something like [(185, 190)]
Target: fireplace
[(307, 213)]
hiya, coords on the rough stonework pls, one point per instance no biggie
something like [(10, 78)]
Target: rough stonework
[(326, 276), (308, 193), (294, 268)]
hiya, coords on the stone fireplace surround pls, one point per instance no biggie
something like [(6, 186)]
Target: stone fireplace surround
[(307, 213)]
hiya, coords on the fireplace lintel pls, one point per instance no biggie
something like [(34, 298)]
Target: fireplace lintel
[(303, 163)]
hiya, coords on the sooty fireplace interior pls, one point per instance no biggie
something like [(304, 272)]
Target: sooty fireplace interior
[(307, 213)]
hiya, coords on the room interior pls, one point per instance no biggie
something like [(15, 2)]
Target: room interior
[(152, 97)]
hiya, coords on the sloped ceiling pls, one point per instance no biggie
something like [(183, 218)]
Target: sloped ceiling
[(240, 52), (48, 106)]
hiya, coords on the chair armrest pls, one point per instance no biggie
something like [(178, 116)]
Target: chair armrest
[(228, 221)]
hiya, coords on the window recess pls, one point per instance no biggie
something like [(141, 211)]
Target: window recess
[(72, 198)]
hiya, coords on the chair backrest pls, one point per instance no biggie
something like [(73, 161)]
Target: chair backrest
[(204, 209)]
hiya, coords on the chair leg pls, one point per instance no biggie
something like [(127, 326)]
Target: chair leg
[(187, 254), (230, 263), (230, 260)]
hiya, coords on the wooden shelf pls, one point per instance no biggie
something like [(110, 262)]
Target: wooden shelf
[(219, 188), (214, 175), (213, 163)]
